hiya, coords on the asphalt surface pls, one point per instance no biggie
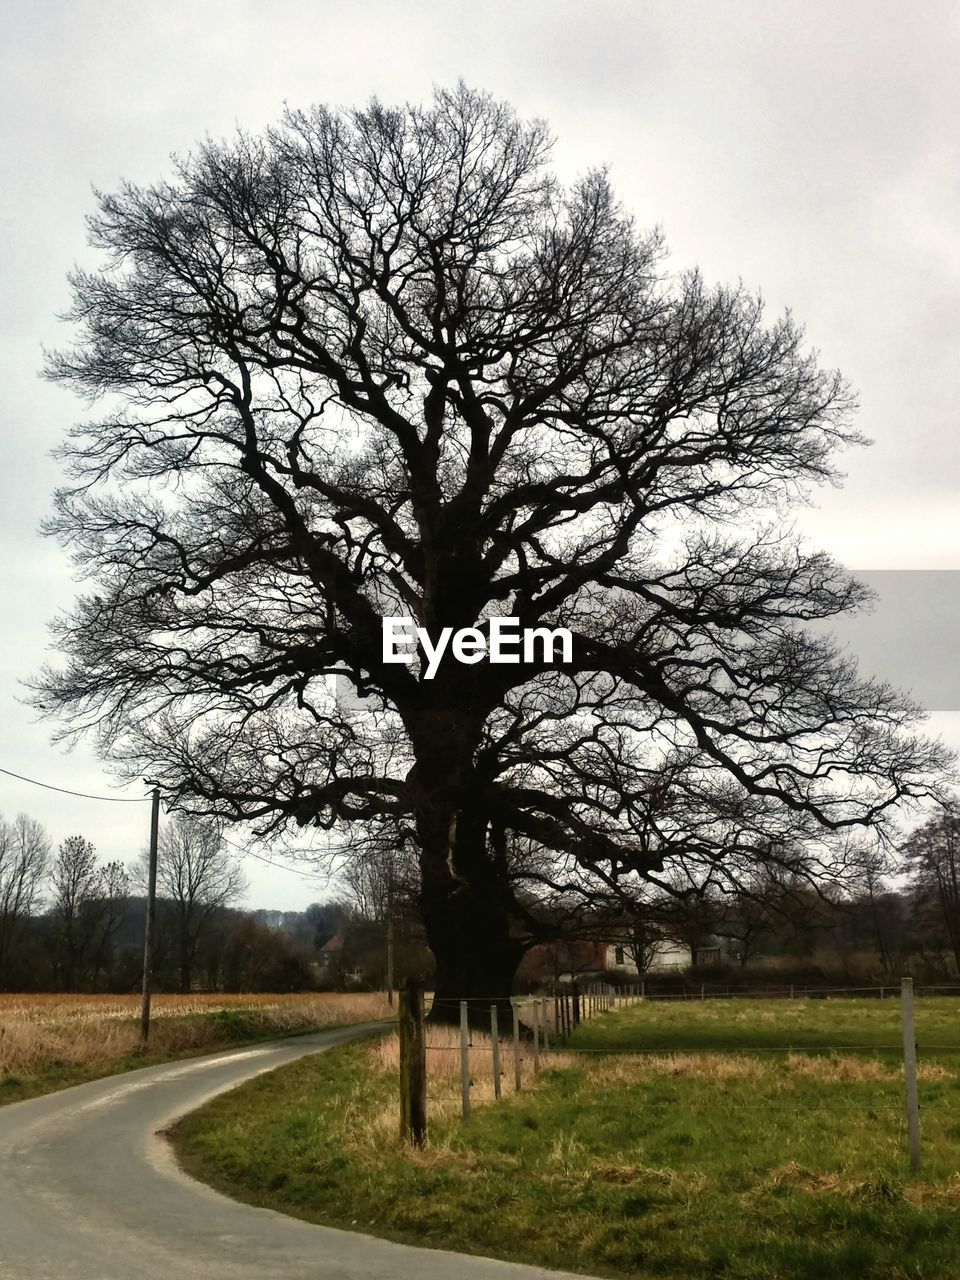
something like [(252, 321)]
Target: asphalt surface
[(90, 1190)]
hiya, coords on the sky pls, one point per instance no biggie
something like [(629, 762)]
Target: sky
[(807, 149)]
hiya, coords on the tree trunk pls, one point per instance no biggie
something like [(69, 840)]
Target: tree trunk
[(475, 955), (467, 908), (466, 898)]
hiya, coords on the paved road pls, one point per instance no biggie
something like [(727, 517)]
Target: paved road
[(90, 1191)]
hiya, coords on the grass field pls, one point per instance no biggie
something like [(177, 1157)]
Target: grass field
[(737, 1144), (51, 1041)]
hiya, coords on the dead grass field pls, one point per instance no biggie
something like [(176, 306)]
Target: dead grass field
[(47, 1041)]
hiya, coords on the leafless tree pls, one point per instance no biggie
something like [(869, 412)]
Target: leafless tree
[(86, 912), (197, 876), (932, 852), (75, 880), (380, 362), (24, 854)]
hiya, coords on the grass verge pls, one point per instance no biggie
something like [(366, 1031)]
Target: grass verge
[(688, 1165)]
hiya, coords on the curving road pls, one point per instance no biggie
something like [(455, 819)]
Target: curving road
[(90, 1191)]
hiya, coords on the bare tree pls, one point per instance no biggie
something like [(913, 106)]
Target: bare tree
[(379, 362), (24, 853), (197, 877), (76, 883), (932, 852)]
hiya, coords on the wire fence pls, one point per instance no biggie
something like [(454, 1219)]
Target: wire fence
[(546, 1029)]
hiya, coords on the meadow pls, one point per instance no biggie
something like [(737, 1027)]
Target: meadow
[(744, 1139), (51, 1041)]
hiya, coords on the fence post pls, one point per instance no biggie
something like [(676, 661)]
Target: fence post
[(516, 1047), (536, 1036), (465, 1059), (576, 1005), (495, 1045), (545, 1024), (910, 1071), (413, 1065)]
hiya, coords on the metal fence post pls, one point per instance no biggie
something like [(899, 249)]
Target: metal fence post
[(516, 1047), (910, 1071), (465, 1059), (495, 1045)]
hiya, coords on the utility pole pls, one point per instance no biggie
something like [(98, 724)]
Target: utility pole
[(149, 917)]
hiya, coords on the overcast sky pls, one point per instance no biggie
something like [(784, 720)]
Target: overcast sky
[(809, 149)]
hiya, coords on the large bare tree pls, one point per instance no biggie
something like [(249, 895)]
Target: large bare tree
[(377, 363)]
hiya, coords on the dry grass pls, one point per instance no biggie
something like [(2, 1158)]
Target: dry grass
[(42, 1033), (443, 1078), (831, 1069)]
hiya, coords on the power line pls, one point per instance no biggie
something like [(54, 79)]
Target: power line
[(281, 866), (84, 795)]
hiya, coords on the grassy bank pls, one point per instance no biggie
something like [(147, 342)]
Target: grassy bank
[(49, 1042), (684, 1163)]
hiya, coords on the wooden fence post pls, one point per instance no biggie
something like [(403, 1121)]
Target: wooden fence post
[(536, 1036), (465, 1059), (516, 1048), (910, 1071), (495, 1045), (413, 1065), (544, 1019), (576, 1005)]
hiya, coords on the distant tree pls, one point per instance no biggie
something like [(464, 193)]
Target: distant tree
[(24, 856), (255, 957), (871, 900), (380, 362), (323, 921), (932, 852), (75, 880), (197, 877), (86, 913), (110, 909)]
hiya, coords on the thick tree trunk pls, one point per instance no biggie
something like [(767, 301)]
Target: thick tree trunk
[(466, 896), (475, 955), (467, 908)]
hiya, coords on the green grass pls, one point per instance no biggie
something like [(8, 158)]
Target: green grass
[(741, 1025), (690, 1166)]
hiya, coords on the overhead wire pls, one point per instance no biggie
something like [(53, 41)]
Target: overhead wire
[(87, 795), (84, 795)]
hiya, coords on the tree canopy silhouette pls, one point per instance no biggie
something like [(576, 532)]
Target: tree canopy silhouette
[(380, 362)]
